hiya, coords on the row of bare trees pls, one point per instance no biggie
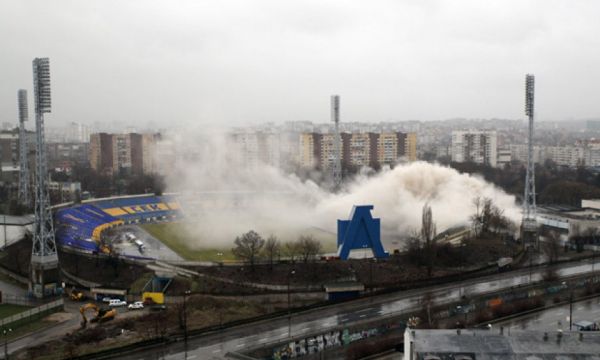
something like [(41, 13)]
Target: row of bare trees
[(251, 247), (488, 218)]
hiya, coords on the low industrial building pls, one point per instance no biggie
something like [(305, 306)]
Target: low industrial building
[(497, 344), (571, 221)]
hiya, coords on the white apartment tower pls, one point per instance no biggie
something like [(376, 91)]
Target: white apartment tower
[(478, 146)]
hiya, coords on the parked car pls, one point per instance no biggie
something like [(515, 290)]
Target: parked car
[(138, 305), (106, 299), (117, 302)]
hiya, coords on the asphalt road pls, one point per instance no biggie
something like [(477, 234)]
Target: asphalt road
[(556, 318), (318, 321)]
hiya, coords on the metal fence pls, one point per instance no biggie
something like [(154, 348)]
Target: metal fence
[(21, 300), (36, 313)]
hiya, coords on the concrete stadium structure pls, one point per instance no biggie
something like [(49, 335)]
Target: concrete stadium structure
[(81, 226)]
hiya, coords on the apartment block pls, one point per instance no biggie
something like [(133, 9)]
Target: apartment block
[(64, 156), (478, 146), (366, 149), (257, 147), (120, 153)]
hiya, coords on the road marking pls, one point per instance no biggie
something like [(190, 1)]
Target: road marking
[(560, 313), (240, 345), (215, 351), (263, 339), (305, 329), (363, 315), (194, 356)]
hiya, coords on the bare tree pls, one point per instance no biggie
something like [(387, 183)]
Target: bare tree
[(427, 303), (309, 247), (427, 237), (291, 249), (272, 248), (248, 247), (476, 218), (488, 218)]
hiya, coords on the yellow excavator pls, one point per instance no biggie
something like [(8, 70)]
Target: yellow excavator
[(100, 314), (77, 295)]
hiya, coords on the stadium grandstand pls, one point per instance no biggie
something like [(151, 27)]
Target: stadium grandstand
[(81, 226)]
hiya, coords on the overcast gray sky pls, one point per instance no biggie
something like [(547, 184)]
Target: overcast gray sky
[(237, 62)]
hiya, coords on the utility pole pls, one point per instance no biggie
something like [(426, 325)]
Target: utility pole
[(337, 156), (288, 303), (6, 332), (571, 310), (185, 327)]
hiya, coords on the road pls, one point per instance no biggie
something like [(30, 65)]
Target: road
[(556, 318), (50, 333), (318, 321)]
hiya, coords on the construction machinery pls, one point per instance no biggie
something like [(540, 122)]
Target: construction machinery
[(100, 314), (77, 295)]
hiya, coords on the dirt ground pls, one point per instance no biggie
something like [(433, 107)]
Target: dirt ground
[(202, 311)]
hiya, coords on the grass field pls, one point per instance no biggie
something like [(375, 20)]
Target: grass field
[(7, 310), (176, 238)]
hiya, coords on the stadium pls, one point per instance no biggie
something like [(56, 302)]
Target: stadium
[(111, 225)]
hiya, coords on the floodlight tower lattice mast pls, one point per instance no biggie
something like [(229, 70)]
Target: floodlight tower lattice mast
[(337, 157), (44, 259), (529, 228), (24, 196)]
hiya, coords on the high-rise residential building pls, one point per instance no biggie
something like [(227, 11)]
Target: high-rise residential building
[(64, 156), (9, 155), (76, 132), (101, 153), (119, 153), (310, 150), (477, 146), (257, 147), (358, 150), (149, 153)]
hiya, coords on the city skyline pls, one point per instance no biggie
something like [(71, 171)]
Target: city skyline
[(237, 64)]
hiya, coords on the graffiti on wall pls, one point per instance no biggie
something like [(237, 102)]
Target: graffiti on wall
[(309, 345)]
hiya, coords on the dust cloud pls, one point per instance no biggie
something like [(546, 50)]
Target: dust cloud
[(224, 195)]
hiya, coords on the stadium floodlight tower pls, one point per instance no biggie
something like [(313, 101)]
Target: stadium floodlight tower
[(24, 197), (337, 156), (44, 259), (529, 226)]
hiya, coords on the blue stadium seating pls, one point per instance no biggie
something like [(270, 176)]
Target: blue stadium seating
[(81, 226)]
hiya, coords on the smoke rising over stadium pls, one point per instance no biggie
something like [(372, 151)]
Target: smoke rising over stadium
[(224, 197)]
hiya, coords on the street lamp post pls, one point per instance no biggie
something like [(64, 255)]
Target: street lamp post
[(288, 303), (6, 332), (371, 275), (570, 305), (571, 311), (185, 328)]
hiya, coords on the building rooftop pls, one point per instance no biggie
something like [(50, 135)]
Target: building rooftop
[(492, 344)]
